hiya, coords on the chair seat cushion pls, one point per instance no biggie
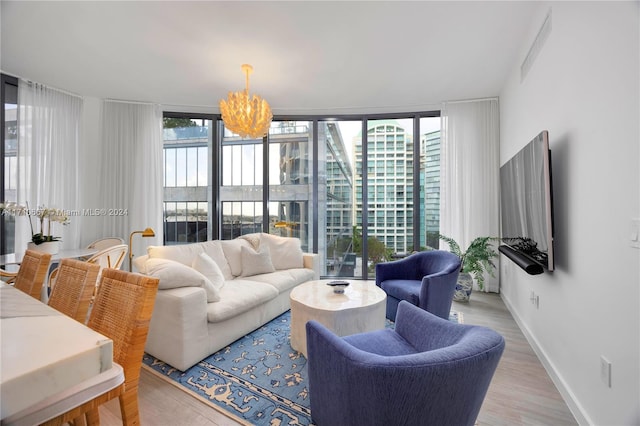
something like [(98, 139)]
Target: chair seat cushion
[(382, 342), (408, 290)]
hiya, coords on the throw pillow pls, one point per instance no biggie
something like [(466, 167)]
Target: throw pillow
[(286, 252), (255, 262), (231, 249), (210, 269), (214, 250), (174, 274), (182, 253), (254, 239)]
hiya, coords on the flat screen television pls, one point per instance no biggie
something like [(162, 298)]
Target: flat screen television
[(526, 200)]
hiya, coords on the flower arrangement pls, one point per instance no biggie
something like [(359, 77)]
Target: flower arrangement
[(44, 215)]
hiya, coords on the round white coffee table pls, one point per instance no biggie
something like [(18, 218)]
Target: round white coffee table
[(360, 308)]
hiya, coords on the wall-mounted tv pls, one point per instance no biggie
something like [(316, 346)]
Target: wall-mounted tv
[(526, 200)]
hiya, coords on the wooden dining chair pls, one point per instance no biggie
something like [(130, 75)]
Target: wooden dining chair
[(32, 273), (121, 311), (110, 257), (73, 289), (104, 243)]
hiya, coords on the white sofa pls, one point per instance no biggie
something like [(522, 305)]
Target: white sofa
[(212, 293)]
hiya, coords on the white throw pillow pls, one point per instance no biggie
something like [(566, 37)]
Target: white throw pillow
[(210, 269), (214, 250), (254, 239), (256, 262), (181, 253), (174, 274), (286, 252), (231, 249)]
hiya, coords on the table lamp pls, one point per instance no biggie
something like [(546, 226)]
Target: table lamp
[(148, 232)]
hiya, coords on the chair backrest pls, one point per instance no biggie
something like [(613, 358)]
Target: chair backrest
[(104, 243), (111, 257), (122, 311), (75, 282), (32, 273), (434, 371)]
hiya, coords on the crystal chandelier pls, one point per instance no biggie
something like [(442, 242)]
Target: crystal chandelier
[(244, 115)]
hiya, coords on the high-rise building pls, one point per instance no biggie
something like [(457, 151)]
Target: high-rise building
[(390, 198), (389, 171)]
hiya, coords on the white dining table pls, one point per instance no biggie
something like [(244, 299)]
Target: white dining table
[(15, 259), (43, 353)]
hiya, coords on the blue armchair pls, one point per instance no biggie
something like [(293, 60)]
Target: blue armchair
[(428, 371), (426, 279)]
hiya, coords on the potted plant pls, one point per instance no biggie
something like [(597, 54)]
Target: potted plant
[(475, 261), (44, 240)]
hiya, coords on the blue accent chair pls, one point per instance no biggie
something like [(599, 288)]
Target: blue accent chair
[(428, 371), (426, 279)]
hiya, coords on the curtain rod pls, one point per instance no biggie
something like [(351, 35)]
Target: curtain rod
[(130, 102), (65, 92), (494, 98)]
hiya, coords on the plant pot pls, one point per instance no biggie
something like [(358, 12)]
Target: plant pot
[(51, 247), (464, 286)]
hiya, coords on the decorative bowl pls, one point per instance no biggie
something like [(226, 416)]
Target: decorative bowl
[(338, 286)]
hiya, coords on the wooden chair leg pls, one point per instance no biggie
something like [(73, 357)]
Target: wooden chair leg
[(129, 408), (93, 417), (79, 421)]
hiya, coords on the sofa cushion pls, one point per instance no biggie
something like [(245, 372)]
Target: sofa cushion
[(231, 249), (214, 250), (284, 280), (255, 262), (210, 269), (286, 253), (238, 297), (174, 274), (182, 253)]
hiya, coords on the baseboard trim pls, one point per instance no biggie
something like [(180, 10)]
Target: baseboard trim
[(574, 406)]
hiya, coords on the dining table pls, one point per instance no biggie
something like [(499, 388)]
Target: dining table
[(44, 353), (16, 258)]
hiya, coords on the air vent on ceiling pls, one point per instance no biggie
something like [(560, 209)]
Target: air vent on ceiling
[(536, 47)]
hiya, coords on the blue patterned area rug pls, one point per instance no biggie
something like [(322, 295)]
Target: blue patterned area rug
[(258, 380)]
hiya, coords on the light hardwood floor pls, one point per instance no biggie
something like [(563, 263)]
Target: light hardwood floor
[(521, 392)]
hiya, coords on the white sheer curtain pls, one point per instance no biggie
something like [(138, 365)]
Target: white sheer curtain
[(131, 171), (470, 173), (48, 139)]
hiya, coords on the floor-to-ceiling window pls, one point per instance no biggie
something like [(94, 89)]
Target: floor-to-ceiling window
[(8, 153), (188, 141), (372, 195), (242, 185), (290, 179), (335, 197), (390, 178)]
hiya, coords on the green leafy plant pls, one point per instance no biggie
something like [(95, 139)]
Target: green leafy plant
[(477, 258)]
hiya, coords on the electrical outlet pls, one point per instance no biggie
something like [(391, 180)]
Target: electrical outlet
[(635, 233), (605, 371), (532, 297)]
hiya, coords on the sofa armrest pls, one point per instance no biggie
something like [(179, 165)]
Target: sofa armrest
[(179, 318), (312, 261)]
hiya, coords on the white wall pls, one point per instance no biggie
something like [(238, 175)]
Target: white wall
[(584, 89)]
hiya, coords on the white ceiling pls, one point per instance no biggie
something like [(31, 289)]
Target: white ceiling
[(309, 57)]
